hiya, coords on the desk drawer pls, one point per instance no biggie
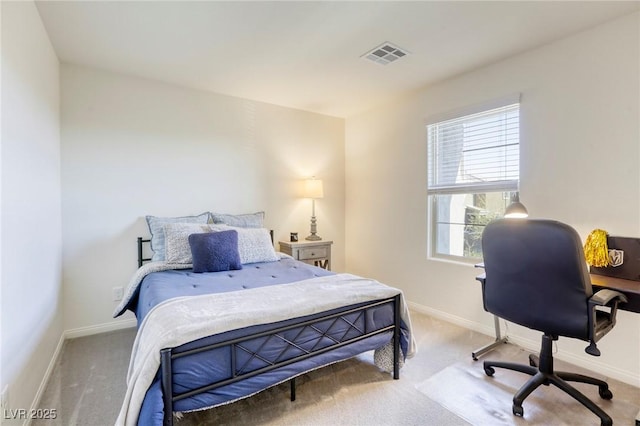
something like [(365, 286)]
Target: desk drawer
[(312, 253)]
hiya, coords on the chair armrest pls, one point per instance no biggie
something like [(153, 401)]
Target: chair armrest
[(601, 321), (482, 277), (605, 296)]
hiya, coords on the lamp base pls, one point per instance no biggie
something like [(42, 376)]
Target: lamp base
[(313, 230)]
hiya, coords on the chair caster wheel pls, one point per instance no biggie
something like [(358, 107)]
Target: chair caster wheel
[(518, 411), (605, 393), (489, 371)]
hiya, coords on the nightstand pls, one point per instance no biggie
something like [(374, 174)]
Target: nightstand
[(317, 253)]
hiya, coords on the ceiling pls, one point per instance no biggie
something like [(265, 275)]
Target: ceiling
[(308, 55)]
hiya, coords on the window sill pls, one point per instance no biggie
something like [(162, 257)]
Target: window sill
[(455, 261)]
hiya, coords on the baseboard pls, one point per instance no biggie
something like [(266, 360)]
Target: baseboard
[(100, 328), (599, 368), (453, 319), (47, 375)]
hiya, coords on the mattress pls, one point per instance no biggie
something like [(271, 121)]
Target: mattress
[(160, 286), (214, 365)]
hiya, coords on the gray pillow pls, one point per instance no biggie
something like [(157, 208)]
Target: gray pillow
[(247, 220), (156, 228), (254, 244), (177, 249)]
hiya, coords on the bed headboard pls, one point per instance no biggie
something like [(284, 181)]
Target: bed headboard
[(141, 258), (143, 241)]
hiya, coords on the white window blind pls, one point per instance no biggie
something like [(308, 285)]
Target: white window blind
[(475, 153)]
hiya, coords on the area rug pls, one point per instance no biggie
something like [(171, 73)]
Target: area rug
[(464, 389)]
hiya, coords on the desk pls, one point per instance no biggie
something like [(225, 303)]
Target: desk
[(629, 288)]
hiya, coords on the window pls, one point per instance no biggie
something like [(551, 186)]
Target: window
[(473, 172)]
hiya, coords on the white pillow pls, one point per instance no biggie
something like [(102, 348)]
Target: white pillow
[(176, 239), (254, 244)]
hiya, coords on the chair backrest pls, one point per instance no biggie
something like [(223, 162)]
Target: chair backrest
[(536, 276)]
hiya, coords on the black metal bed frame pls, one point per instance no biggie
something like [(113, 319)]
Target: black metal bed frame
[(141, 258), (238, 372)]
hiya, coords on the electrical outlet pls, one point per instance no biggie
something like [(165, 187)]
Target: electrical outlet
[(118, 293), (4, 398)]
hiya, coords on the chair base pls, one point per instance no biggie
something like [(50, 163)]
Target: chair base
[(542, 372)]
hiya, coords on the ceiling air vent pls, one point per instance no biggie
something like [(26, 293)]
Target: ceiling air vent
[(385, 54)]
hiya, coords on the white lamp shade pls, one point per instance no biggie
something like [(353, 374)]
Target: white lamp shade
[(312, 188)]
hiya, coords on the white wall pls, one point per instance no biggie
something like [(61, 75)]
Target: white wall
[(580, 146), (133, 147), (31, 224)]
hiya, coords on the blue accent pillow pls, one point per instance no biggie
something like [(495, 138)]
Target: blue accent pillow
[(215, 251)]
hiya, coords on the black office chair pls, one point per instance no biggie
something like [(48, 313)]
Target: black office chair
[(536, 276)]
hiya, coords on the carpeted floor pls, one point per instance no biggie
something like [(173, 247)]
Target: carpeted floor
[(440, 386), (466, 390)]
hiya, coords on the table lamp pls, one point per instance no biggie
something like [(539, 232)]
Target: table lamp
[(313, 189)]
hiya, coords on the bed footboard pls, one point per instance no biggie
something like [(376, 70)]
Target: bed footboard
[(240, 350)]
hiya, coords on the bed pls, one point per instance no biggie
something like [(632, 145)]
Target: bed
[(211, 338)]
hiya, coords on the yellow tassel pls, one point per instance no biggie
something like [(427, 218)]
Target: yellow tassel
[(596, 251)]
